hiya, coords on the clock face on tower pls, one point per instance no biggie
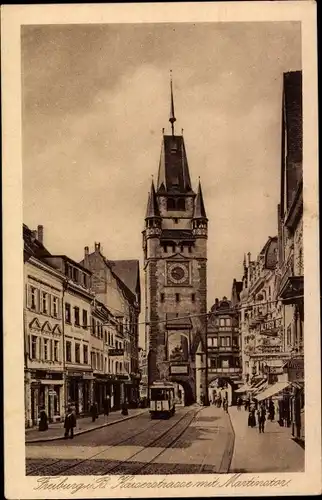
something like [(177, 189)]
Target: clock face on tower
[(177, 273)]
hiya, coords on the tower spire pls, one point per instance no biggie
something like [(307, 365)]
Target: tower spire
[(172, 118)]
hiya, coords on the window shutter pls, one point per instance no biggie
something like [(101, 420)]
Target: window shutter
[(38, 305), (28, 296)]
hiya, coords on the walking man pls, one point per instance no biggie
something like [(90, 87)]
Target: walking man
[(261, 414), (70, 423)]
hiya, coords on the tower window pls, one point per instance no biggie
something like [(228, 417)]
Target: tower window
[(173, 248), (162, 297), (181, 205), (193, 297), (177, 297), (175, 220), (190, 249), (171, 204)]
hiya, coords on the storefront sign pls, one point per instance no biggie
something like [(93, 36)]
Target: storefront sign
[(179, 370), (295, 369), (271, 327), (48, 375), (116, 352), (88, 376)]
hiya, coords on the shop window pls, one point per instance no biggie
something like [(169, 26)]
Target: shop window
[(56, 350), (33, 298), (68, 351), (84, 318), (33, 347), (55, 307), (76, 316), (85, 354), (67, 313)]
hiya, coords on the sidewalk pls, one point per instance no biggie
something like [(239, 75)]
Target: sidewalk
[(273, 451), (56, 430)]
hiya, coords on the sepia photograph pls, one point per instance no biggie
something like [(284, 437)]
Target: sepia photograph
[(163, 252)]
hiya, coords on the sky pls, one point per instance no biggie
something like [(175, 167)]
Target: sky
[(94, 101)]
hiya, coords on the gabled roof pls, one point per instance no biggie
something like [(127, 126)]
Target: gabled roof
[(199, 208), (32, 246), (173, 176), (128, 272)]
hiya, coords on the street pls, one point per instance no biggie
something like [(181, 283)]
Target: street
[(195, 440)]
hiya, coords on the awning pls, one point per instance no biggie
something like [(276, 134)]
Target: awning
[(257, 385), (272, 390), (243, 388), (260, 387)]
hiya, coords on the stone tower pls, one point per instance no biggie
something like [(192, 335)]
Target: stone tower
[(175, 262)]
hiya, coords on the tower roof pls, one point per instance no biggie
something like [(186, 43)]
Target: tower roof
[(152, 209), (173, 176), (199, 211)]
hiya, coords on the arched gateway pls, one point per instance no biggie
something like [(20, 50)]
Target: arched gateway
[(175, 263)]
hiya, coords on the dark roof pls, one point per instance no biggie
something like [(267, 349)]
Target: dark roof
[(32, 246), (177, 234), (173, 173), (152, 209), (128, 271), (270, 253), (65, 258), (199, 208), (293, 113)]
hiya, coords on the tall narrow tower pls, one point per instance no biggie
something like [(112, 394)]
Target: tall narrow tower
[(175, 258)]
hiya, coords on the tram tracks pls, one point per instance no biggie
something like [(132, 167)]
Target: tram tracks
[(96, 466)]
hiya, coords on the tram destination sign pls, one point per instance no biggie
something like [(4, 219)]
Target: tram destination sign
[(271, 327)]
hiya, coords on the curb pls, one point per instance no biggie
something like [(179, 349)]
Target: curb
[(84, 431), (229, 449)]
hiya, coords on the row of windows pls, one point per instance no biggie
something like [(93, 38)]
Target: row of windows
[(223, 363), (44, 348), (176, 204), (77, 275), (178, 297), (48, 350), (43, 302), (223, 341), (174, 248)]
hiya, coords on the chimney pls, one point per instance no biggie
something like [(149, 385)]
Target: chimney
[(40, 232), (86, 251), (97, 247)]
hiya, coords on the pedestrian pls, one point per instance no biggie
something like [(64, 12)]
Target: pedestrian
[(251, 416), (271, 410), (94, 411), (124, 410), (239, 403), (225, 405), (107, 405), (70, 423), (261, 414), (43, 420)]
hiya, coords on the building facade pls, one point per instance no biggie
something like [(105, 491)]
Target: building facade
[(175, 264), (43, 327), (223, 345), (290, 286), (116, 285)]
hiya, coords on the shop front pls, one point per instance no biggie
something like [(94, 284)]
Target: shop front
[(44, 390), (295, 375), (79, 390)]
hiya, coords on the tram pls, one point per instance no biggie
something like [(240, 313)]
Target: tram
[(162, 402)]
